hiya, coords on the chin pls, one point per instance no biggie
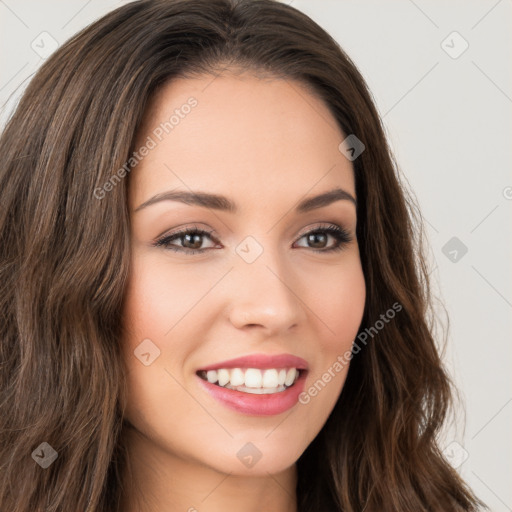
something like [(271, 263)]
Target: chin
[(257, 456)]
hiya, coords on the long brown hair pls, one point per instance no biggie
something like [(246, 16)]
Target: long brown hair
[(65, 254)]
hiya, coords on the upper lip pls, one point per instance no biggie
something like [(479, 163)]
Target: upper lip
[(262, 361)]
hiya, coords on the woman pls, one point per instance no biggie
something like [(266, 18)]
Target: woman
[(213, 289)]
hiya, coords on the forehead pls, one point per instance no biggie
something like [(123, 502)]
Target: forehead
[(257, 136)]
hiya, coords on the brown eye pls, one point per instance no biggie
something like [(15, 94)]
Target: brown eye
[(318, 238), (191, 240)]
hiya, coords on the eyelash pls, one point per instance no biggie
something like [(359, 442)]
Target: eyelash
[(341, 235)]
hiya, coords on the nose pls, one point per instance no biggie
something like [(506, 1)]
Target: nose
[(266, 296)]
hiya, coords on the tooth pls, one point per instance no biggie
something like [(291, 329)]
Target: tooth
[(260, 391), (211, 376), (253, 378), (270, 379), (223, 376), (290, 376), (256, 391), (237, 377)]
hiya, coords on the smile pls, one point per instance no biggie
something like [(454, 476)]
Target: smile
[(253, 380), (258, 384)]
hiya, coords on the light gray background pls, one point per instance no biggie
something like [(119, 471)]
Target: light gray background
[(449, 122)]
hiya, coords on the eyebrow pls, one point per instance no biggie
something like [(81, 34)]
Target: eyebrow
[(222, 203)]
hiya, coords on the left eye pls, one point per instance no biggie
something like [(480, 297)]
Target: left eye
[(191, 239)]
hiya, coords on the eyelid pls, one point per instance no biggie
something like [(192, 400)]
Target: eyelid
[(184, 231), (186, 228), (211, 232)]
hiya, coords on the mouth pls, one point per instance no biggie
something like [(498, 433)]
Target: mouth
[(254, 381), (259, 384)]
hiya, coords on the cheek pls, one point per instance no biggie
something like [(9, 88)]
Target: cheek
[(146, 318), (159, 295), (339, 300), (161, 303), (341, 308)]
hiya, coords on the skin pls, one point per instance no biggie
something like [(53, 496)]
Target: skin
[(265, 144)]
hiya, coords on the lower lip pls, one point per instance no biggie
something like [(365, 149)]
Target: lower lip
[(258, 405)]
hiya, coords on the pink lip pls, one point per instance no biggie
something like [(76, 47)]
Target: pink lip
[(259, 405), (261, 361)]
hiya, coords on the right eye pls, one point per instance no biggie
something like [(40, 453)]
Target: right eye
[(190, 239)]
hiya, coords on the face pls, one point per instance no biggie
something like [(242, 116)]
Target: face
[(242, 297)]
